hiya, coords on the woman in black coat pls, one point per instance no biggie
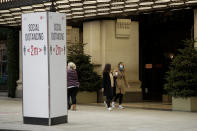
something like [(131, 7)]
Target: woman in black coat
[(107, 89)]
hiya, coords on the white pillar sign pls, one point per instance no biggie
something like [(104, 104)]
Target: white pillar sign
[(44, 68)]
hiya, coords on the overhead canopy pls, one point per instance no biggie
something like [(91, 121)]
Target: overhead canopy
[(11, 10)]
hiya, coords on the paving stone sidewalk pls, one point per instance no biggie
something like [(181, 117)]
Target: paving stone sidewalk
[(98, 118)]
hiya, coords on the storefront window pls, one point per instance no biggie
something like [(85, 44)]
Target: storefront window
[(3, 65)]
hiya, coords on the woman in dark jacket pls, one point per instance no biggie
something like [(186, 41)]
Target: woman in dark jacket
[(107, 89), (72, 85)]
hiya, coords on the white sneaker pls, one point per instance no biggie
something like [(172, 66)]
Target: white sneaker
[(109, 109), (113, 104), (105, 104), (120, 107)]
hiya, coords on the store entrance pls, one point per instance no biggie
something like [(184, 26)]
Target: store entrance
[(160, 37)]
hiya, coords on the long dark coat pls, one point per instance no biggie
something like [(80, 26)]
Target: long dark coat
[(107, 84)]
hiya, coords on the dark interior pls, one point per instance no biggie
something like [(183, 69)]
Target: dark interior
[(161, 34)]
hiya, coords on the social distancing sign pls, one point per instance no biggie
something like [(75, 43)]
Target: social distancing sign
[(44, 68)]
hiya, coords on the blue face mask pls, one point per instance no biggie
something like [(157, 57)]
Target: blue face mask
[(121, 67)]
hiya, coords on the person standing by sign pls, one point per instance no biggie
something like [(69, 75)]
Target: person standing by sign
[(72, 85), (121, 83), (107, 86)]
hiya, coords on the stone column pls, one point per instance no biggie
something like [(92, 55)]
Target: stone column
[(92, 39), (195, 27), (20, 81)]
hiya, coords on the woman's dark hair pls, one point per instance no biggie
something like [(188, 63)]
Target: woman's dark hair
[(107, 68)]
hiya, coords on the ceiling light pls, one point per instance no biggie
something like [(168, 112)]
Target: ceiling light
[(132, 5), (75, 9), (5, 15), (116, 12), (103, 9), (48, 4), (117, 3), (62, 1), (4, 11), (64, 11), (75, 0), (27, 12), (175, 9), (15, 9), (103, 0), (17, 17), (47, 8), (68, 14), (89, 15), (39, 10), (77, 16), (14, 25), (132, 1), (10, 22), (117, 7), (38, 5), (16, 13), (105, 13), (9, 18), (76, 4), (144, 8), (159, 6), (3, 23), (128, 10), (90, 11), (162, 1), (89, 7), (63, 6), (103, 5), (191, 2), (176, 4), (88, 2), (26, 7), (146, 3), (77, 13)]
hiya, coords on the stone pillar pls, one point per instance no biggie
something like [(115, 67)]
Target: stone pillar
[(92, 39), (20, 81), (195, 27)]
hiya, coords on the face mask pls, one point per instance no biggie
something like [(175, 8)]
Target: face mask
[(121, 67)]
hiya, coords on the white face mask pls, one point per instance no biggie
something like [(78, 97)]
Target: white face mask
[(121, 67), (116, 73)]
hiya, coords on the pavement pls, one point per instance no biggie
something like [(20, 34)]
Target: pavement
[(98, 118)]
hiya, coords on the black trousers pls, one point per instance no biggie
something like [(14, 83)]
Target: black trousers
[(108, 101), (120, 96), (72, 93)]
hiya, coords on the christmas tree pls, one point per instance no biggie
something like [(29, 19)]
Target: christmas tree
[(89, 80), (182, 75)]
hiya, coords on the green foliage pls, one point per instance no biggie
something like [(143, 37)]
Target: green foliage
[(89, 80), (182, 76)]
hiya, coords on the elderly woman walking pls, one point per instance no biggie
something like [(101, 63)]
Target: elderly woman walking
[(72, 85)]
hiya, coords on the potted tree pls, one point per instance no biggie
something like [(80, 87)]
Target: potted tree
[(182, 79), (90, 81)]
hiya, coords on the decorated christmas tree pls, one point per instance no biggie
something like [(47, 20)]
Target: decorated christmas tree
[(182, 76), (89, 80)]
